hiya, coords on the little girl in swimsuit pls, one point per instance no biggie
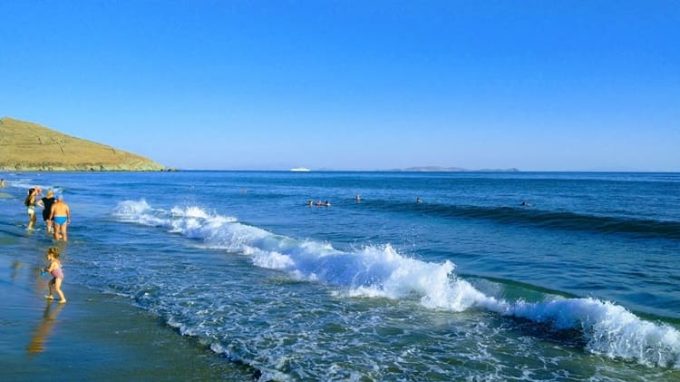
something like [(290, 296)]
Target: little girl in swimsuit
[(57, 274)]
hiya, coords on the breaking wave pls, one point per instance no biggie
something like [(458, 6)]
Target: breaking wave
[(380, 271)]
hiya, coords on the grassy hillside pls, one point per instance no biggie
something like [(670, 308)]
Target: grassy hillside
[(26, 146)]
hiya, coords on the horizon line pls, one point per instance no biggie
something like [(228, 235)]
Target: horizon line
[(431, 172)]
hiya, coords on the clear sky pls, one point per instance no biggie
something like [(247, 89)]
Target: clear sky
[(197, 84)]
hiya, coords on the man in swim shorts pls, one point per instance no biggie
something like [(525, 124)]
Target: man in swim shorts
[(61, 218)]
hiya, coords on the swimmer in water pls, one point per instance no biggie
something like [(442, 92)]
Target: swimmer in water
[(418, 200), (357, 198)]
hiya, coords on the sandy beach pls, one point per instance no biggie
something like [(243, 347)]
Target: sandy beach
[(92, 337)]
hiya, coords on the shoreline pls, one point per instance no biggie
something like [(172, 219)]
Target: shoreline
[(94, 336)]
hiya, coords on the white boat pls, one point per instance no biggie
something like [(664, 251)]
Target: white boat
[(300, 169)]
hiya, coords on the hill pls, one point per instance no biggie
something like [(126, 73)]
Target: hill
[(26, 146)]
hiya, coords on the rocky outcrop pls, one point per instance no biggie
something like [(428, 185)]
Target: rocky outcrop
[(26, 146)]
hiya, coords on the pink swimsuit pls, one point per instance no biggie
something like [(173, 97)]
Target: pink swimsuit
[(57, 273)]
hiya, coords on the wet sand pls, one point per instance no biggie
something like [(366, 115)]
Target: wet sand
[(92, 337)]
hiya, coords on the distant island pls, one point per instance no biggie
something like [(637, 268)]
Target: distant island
[(26, 146), (450, 169)]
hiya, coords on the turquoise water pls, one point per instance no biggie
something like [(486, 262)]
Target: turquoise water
[(581, 283)]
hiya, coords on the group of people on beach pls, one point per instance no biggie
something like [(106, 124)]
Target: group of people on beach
[(57, 216), (56, 213)]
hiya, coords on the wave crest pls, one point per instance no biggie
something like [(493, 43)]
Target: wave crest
[(380, 271), (609, 329)]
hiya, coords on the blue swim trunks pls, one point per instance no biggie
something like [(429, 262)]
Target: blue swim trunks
[(60, 220)]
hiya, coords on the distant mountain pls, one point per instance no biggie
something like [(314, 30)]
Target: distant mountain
[(26, 146), (432, 169), (451, 169)]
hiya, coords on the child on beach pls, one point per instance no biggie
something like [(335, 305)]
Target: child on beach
[(57, 274)]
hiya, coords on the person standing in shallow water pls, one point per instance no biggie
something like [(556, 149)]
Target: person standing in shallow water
[(30, 202), (54, 269), (47, 203), (61, 218)]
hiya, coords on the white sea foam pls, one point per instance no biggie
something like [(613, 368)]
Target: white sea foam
[(132, 209), (609, 329), (267, 374), (23, 183), (380, 271), (26, 183), (138, 212)]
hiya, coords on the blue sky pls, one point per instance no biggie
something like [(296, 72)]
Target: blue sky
[(537, 85)]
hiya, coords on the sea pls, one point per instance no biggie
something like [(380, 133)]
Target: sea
[(508, 276)]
